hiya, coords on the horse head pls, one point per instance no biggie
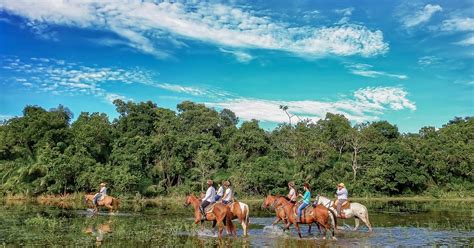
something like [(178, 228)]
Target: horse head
[(269, 200)]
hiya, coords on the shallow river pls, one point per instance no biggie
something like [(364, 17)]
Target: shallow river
[(410, 223)]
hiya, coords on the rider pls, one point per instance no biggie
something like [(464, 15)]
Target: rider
[(306, 200), (292, 194), (342, 195), (229, 193), (102, 193), (220, 192), (208, 198)]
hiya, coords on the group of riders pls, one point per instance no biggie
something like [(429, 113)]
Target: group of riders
[(341, 195), (225, 194)]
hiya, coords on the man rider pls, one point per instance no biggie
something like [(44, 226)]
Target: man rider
[(342, 196), (102, 193), (209, 198)]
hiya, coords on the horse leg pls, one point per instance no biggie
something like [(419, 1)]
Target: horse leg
[(214, 222), (309, 229), (357, 222), (298, 229), (276, 221), (220, 227), (366, 221)]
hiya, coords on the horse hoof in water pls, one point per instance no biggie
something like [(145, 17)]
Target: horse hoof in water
[(334, 238)]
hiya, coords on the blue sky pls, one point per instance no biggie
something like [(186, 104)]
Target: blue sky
[(410, 63)]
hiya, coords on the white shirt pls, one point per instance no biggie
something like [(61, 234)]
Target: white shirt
[(228, 195), (292, 194), (103, 191), (220, 192), (210, 195), (342, 194)]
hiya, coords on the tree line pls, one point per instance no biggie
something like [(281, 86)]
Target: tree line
[(157, 151)]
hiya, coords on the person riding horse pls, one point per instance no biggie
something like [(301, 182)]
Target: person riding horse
[(209, 198), (229, 193), (292, 194), (342, 196), (306, 201), (220, 192), (102, 193)]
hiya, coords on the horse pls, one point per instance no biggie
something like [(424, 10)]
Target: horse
[(270, 201), (220, 214), (240, 211), (324, 217), (356, 210), (110, 202)]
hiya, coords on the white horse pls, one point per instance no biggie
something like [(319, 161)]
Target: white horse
[(356, 210)]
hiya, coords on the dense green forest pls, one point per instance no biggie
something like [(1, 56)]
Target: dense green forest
[(157, 151)]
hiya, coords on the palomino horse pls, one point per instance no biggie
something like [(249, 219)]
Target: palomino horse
[(325, 218), (220, 214), (110, 202), (240, 211), (356, 210)]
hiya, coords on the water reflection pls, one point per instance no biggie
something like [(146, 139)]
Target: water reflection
[(396, 224), (99, 231)]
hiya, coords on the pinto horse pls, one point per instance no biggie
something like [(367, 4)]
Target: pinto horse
[(240, 211), (220, 215), (325, 218), (110, 202)]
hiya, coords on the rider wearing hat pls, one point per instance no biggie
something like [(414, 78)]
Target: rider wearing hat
[(208, 198), (102, 193), (342, 196), (229, 193)]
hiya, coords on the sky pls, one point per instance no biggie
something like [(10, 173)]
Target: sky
[(407, 62)]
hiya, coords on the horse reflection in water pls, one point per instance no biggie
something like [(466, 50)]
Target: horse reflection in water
[(99, 232)]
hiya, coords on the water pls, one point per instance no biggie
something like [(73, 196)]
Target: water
[(411, 223)]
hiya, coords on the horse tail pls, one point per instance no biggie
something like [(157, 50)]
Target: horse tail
[(333, 219), (116, 204), (228, 221), (367, 217), (247, 213)]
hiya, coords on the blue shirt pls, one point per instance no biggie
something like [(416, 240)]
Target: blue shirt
[(307, 197)]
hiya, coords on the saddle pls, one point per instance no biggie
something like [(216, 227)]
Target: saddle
[(209, 208), (306, 211), (345, 205)]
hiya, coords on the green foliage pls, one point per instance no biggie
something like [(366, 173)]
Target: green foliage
[(153, 151)]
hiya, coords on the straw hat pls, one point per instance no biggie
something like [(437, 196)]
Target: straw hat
[(341, 185), (226, 183), (291, 184), (102, 184), (209, 182)]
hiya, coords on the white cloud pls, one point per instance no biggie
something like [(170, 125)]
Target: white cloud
[(345, 12), (428, 60), (5, 117), (367, 104), (111, 97), (241, 56), (421, 16), (458, 24), (366, 70), (140, 23), (182, 89), (466, 42)]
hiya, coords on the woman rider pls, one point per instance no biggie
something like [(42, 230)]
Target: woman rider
[(292, 194), (306, 200), (220, 191), (229, 193)]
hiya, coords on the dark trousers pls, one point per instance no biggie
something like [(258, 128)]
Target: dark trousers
[(204, 204)]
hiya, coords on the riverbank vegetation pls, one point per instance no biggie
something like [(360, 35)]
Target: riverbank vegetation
[(155, 151)]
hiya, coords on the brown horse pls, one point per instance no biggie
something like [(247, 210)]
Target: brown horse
[(271, 201), (220, 214), (240, 211), (321, 215), (110, 202)]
